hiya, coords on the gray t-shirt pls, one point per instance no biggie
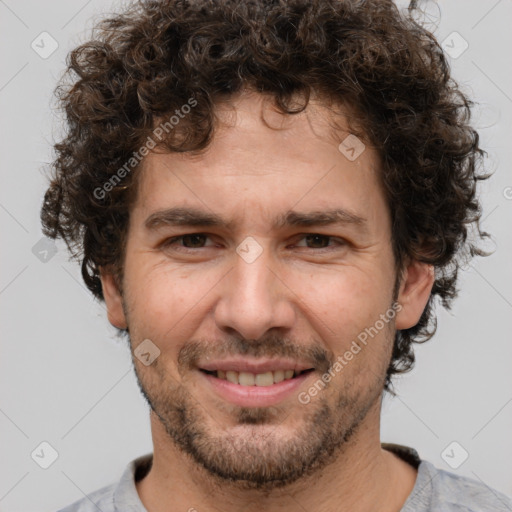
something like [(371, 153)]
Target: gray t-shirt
[(435, 490)]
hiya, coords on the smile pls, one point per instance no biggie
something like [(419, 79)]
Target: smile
[(256, 379)]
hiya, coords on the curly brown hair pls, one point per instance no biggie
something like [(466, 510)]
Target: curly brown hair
[(144, 64)]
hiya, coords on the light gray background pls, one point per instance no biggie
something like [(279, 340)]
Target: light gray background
[(66, 379)]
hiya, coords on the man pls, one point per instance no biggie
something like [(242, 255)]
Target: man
[(269, 196)]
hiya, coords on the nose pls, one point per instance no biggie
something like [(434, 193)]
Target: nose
[(254, 299)]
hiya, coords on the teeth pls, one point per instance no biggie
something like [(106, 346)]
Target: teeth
[(246, 379), (231, 376), (278, 376), (260, 379)]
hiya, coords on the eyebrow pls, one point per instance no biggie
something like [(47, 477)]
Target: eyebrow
[(187, 216)]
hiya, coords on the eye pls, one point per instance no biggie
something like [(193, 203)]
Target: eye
[(319, 241), (190, 241), (193, 241)]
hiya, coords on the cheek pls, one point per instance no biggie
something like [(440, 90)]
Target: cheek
[(345, 298), (163, 301), (344, 309)]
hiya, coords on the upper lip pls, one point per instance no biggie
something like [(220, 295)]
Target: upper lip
[(254, 365)]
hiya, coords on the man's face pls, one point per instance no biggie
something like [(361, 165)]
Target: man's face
[(285, 294)]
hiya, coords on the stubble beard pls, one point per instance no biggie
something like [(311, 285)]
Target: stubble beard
[(265, 450)]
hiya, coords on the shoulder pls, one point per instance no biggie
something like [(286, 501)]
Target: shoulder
[(449, 492), (121, 495), (102, 499)]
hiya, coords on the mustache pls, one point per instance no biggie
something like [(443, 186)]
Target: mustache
[(271, 346)]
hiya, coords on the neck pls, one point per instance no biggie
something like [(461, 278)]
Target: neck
[(362, 478)]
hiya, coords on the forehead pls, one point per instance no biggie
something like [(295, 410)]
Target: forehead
[(264, 163)]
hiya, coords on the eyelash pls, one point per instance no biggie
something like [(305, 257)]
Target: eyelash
[(171, 241)]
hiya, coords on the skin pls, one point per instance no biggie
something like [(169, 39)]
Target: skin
[(197, 298)]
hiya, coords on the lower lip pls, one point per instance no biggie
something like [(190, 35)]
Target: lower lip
[(255, 396)]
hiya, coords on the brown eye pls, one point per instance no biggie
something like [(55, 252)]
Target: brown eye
[(317, 241), (189, 241), (194, 240)]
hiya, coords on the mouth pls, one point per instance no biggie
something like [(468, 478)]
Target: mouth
[(265, 379), (263, 389)]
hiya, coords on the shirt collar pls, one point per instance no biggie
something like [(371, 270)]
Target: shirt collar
[(126, 497)]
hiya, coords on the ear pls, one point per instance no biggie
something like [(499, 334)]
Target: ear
[(113, 299), (414, 293)]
